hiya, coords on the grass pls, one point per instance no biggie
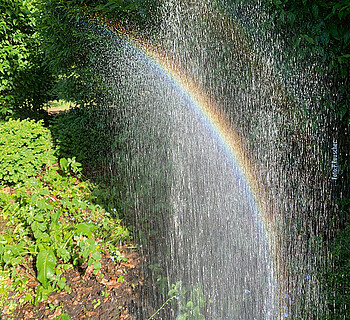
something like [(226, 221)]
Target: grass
[(58, 105)]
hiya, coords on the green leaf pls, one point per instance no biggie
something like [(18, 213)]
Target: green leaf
[(64, 164), (291, 18), (189, 305), (37, 226), (333, 29), (61, 283), (85, 228), (42, 237), (28, 297), (308, 39), (96, 255), (39, 218), (63, 254), (45, 264), (64, 316), (97, 266), (86, 252), (42, 294), (343, 112)]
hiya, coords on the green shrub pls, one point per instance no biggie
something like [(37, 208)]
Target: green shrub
[(85, 133), (57, 226), (316, 27), (25, 147), (25, 81)]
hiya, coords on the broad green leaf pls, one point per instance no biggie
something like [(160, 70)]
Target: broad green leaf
[(63, 316), (63, 254), (85, 228), (61, 282), (28, 297), (97, 265), (342, 112), (54, 218), (39, 217), (42, 237), (37, 226), (86, 253), (2, 239), (45, 264), (291, 17), (96, 255), (333, 29), (189, 305)]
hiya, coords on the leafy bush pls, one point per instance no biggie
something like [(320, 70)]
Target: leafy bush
[(84, 132), (25, 81), (25, 148), (70, 43), (316, 26), (54, 224)]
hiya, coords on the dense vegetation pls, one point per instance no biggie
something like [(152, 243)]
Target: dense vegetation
[(84, 133), (25, 80), (322, 26), (34, 142), (46, 52), (52, 219), (321, 30)]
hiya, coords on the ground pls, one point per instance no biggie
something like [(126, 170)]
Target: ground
[(116, 295)]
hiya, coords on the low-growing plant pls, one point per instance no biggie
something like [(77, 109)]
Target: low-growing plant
[(338, 276), (190, 301), (70, 164), (187, 300), (53, 224), (25, 148)]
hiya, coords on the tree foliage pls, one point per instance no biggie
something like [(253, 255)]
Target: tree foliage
[(25, 81), (316, 25), (45, 47), (69, 32), (321, 30)]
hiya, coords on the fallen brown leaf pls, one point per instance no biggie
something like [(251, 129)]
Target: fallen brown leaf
[(56, 314)]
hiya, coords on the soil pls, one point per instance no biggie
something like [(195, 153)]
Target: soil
[(116, 295)]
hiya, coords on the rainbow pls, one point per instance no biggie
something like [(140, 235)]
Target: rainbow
[(207, 111), (226, 136)]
